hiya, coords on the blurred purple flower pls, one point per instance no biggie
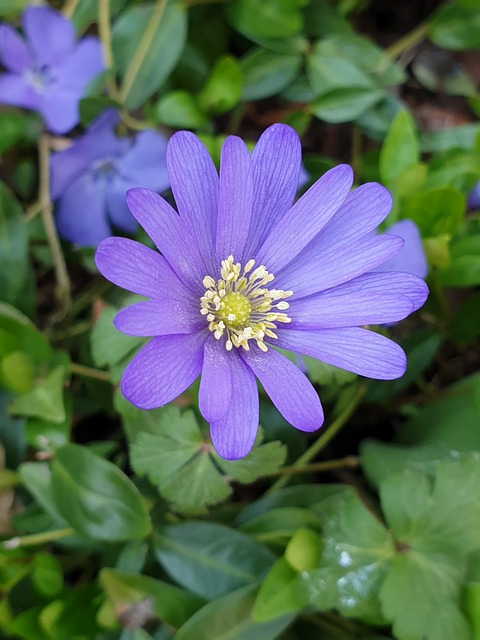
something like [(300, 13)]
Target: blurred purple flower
[(411, 258), (473, 198), (213, 310), (48, 72), (90, 179)]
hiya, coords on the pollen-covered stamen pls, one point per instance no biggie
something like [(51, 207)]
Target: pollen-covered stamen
[(240, 306)]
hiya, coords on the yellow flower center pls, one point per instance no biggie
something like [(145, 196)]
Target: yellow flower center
[(241, 307)]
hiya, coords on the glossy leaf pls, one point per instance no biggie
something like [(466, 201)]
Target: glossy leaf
[(400, 151), (223, 88), (180, 109), (279, 594), (266, 73), (45, 400), (96, 498)]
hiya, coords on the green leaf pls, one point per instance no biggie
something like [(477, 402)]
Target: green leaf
[(464, 267), (125, 591), (464, 326), (13, 250), (440, 515), (462, 137), (279, 524), (280, 593), (304, 550), (452, 420), (15, 127), (211, 559), (357, 553), (421, 595), (179, 109), (230, 618), (96, 498), (162, 54), (268, 19), (326, 374), (436, 211), (110, 347), (47, 574), (91, 108), (471, 606), (262, 460), (400, 151), (37, 478), (45, 400), (345, 104), (86, 12), (267, 73), (223, 88), (455, 27)]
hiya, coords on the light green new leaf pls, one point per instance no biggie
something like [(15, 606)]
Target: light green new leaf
[(223, 88), (96, 498), (45, 400), (180, 109), (400, 151), (211, 559), (280, 593), (436, 211), (230, 618), (421, 596)]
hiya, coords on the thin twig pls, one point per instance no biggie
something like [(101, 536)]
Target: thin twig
[(89, 372), (408, 41), (69, 8), (37, 538), (349, 462), (104, 21)]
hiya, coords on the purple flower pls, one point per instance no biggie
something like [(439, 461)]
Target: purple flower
[(411, 258), (213, 307), (49, 72), (90, 179)]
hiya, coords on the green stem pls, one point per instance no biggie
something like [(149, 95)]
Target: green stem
[(69, 8), (92, 290), (63, 290), (349, 462), (408, 41), (37, 538), (106, 40), (89, 372), (142, 49), (324, 439)]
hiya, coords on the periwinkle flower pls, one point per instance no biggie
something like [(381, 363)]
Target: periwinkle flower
[(48, 72), (411, 257), (89, 180), (243, 270)]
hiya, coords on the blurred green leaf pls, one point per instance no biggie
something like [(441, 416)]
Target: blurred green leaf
[(37, 478), (400, 151), (125, 591), (345, 103), (464, 267), (280, 593), (47, 574), (91, 108), (455, 26), (16, 127), (86, 12), (13, 251), (179, 109), (325, 374), (230, 618), (471, 606), (96, 498), (211, 559), (280, 524), (223, 88), (304, 550), (267, 73), (162, 54), (464, 326), (45, 400), (436, 211), (261, 461), (462, 137), (268, 19)]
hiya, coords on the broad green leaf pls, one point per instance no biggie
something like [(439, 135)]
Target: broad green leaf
[(268, 19), (37, 478), (357, 553), (223, 88), (325, 374), (280, 593), (400, 151), (279, 524), (180, 109), (326, 73), (86, 12), (421, 596), (96, 498), (436, 211), (15, 127), (471, 606), (440, 514), (230, 618), (126, 590), (267, 73), (110, 347), (453, 419), (211, 559), (47, 574), (464, 327), (464, 267), (261, 461), (45, 400), (462, 137), (17, 372), (381, 459), (344, 104), (91, 108), (13, 250), (455, 27), (161, 56)]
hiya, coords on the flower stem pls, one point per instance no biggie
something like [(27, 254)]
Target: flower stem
[(69, 8), (142, 49), (349, 462), (324, 439), (408, 41), (89, 372), (105, 33), (37, 538), (63, 290)]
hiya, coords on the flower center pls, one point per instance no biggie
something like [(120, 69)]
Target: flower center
[(241, 306), (40, 77)]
